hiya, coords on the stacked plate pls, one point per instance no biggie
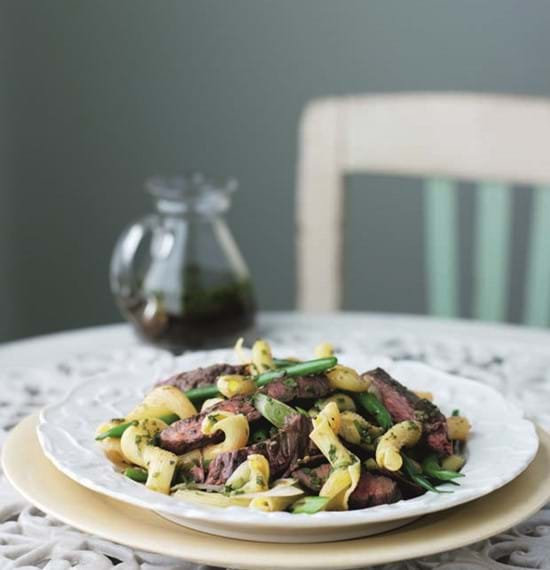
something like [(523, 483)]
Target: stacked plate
[(55, 462)]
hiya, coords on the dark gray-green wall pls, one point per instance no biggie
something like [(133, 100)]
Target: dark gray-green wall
[(98, 95)]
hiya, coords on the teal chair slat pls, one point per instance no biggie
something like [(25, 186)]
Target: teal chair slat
[(441, 246), (537, 287), (491, 262)]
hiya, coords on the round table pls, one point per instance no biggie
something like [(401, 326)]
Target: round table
[(34, 372)]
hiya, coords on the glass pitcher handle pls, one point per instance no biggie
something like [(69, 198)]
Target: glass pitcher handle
[(124, 274)]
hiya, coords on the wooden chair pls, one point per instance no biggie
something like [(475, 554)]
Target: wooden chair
[(498, 141)]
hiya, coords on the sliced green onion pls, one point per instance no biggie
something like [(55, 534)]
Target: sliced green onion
[(139, 475), (273, 410), (419, 479), (309, 505), (432, 468)]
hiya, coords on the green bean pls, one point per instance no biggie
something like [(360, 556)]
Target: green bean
[(169, 418), (139, 475), (118, 430), (432, 468), (374, 407), (197, 395), (283, 363), (417, 478), (296, 369), (309, 505)]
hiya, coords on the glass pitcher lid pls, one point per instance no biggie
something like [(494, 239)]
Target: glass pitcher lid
[(191, 193)]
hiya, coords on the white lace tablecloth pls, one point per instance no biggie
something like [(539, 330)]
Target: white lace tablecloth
[(516, 361)]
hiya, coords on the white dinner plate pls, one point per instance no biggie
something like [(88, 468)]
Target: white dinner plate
[(502, 445)]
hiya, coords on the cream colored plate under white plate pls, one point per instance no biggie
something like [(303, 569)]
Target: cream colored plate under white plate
[(41, 483)]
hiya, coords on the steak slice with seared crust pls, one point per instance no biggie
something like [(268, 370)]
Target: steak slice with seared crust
[(202, 376), (283, 451), (402, 404), (186, 435), (374, 490)]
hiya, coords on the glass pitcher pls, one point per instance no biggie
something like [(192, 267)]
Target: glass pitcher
[(177, 274)]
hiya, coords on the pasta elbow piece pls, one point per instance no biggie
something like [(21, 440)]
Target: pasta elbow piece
[(212, 499), (344, 402), (425, 395), (329, 444), (231, 385), (136, 438), (111, 445), (340, 485), (161, 401), (160, 465), (388, 450), (324, 350), (239, 351), (235, 428), (454, 462), (345, 378), (252, 476), (346, 467), (262, 359), (272, 504), (190, 459), (458, 428), (355, 429), (332, 413)]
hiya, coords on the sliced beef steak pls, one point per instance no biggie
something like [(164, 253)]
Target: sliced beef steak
[(303, 387), (405, 405), (223, 466), (202, 376), (283, 451), (186, 435), (313, 478), (374, 490)]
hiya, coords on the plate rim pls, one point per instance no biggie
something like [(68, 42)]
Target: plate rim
[(142, 532), (249, 519)]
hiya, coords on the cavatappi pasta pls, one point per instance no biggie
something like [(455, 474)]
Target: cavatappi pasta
[(278, 434)]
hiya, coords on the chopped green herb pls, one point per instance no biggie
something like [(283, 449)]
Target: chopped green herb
[(332, 453), (290, 383)]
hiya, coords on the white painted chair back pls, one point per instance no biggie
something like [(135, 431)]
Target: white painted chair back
[(498, 141)]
